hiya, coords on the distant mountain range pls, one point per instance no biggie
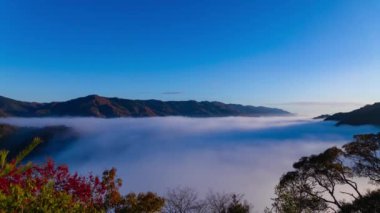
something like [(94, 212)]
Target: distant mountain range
[(369, 114), (102, 107)]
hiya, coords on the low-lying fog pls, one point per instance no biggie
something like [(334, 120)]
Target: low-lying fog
[(234, 154)]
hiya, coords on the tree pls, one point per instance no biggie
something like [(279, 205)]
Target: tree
[(226, 203), (312, 186), (237, 205), (364, 151), (218, 202), (141, 203), (316, 179), (183, 200), (368, 203), (294, 194)]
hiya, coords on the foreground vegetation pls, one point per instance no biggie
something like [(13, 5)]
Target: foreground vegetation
[(326, 182), (51, 188), (320, 182)]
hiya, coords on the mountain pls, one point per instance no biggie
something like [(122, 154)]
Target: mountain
[(369, 114), (16, 138), (97, 106), (12, 107)]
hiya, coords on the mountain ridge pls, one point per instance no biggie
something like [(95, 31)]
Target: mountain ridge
[(104, 107), (366, 115)]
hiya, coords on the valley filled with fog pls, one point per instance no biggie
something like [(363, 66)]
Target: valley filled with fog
[(232, 154)]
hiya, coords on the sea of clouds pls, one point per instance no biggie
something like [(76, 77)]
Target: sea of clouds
[(232, 154)]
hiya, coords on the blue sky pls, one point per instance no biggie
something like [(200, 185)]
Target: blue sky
[(292, 54)]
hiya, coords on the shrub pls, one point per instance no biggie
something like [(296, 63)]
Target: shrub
[(51, 188)]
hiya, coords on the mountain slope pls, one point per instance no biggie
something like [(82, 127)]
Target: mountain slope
[(16, 138), (97, 106), (9, 107), (369, 114)]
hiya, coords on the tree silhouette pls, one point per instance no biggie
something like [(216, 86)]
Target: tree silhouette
[(313, 185)]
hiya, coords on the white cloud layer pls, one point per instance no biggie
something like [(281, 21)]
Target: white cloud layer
[(234, 154)]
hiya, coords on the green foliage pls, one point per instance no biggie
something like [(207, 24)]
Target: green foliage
[(8, 167), (21, 156), (3, 158), (48, 200)]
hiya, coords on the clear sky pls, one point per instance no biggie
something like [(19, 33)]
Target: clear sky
[(292, 54)]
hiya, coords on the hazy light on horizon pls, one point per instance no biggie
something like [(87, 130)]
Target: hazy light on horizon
[(313, 108)]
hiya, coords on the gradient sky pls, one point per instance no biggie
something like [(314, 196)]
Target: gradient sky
[(292, 54)]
